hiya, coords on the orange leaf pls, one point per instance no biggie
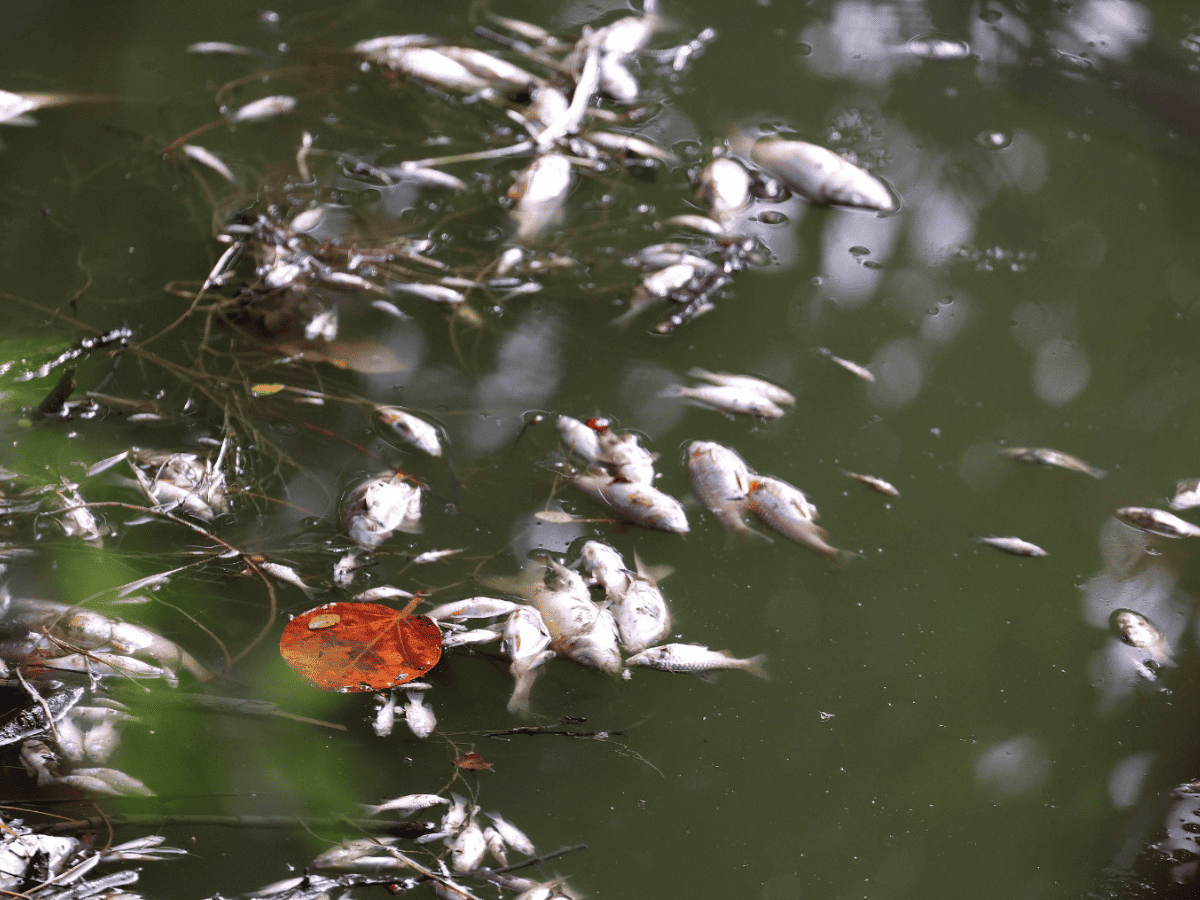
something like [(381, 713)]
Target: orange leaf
[(360, 646), (472, 761)]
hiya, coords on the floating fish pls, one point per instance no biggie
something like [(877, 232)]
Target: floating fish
[(726, 398), (580, 439), (512, 835), (412, 429), (493, 68), (381, 506), (696, 658), (699, 224), (1044, 456), (625, 458), (628, 143), (420, 718), (821, 175), (473, 608), (785, 509), (854, 368), (605, 566), (1013, 545), (1136, 630), (1187, 494), (772, 392), (407, 805), (1155, 521), (467, 847), (210, 159), (526, 642), (641, 614), (874, 483), (725, 187), (265, 108), (640, 504), (721, 480), (538, 195)]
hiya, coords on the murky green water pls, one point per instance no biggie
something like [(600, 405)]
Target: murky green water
[(941, 718)]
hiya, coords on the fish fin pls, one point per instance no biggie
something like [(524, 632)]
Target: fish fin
[(673, 390), (756, 665), (651, 573), (702, 374)]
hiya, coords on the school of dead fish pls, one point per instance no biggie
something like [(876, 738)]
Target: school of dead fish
[(596, 610)]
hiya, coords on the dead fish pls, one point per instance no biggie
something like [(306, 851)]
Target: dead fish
[(381, 506), (874, 483), (821, 175), (640, 504), (433, 556), (580, 439), (474, 608), (936, 49), (784, 508), (538, 195), (323, 326), (1044, 456), (427, 64), (725, 187), (605, 566), (436, 293), (512, 835), (420, 718), (220, 48), (628, 143), (772, 392), (616, 80), (641, 613), (413, 430), (1155, 521), (264, 108), (385, 718), (14, 105), (210, 159), (699, 224), (406, 805), (854, 368), (726, 398), (493, 68), (1136, 630), (656, 287), (526, 642), (1187, 494), (696, 658), (721, 481), (624, 458), (1013, 545)]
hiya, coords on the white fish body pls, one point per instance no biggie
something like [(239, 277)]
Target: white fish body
[(495, 845), (640, 504), (431, 65), (699, 224), (579, 439), (1187, 494), (419, 717), (852, 367), (1044, 456), (625, 458), (493, 68), (265, 108), (725, 187), (412, 429), (770, 491), (538, 194), (565, 606), (821, 175), (474, 608), (381, 506), (526, 642), (1014, 545), (874, 483), (605, 566), (467, 848), (512, 835), (721, 481), (597, 646), (546, 106), (695, 658), (1155, 521), (524, 672), (616, 80), (772, 392), (641, 613), (435, 293), (629, 143), (1136, 630), (470, 638), (208, 158), (407, 805), (727, 399), (385, 716), (784, 509)]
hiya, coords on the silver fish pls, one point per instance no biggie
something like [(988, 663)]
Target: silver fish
[(546, 106), (407, 805), (470, 638), (785, 509), (854, 368), (1136, 630), (526, 642), (1044, 456), (323, 326), (628, 143), (1013, 545), (413, 430), (219, 48), (695, 658), (725, 187), (420, 718), (493, 68), (524, 672), (640, 504), (210, 159), (512, 835), (14, 106), (495, 845), (874, 483), (381, 506), (641, 613), (821, 175), (428, 64), (616, 80), (597, 646), (1187, 494), (721, 480), (1155, 521), (657, 287), (385, 715), (579, 438), (605, 566), (625, 458), (772, 392), (473, 608), (265, 108), (435, 293), (467, 848), (699, 224), (538, 195), (726, 398)]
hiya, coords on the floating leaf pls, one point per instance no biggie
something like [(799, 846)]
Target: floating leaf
[(472, 761), (360, 646)]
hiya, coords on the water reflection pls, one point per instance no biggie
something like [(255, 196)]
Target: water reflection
[(1013, 768)]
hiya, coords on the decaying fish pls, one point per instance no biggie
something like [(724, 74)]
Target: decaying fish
[(785, 509), (74, 517), (419, 717), (413, 430), (696, 658), (526, 642), (726, 398), (721, 481), (579, 439), (512, 835), (854, 368), (1136, 630), (14, 106), (657, 287), (1044, 456), (1013, 545), (625, 458), (604, 566), (473, 608), (578, 628), (467, 847), (640, 504), (1155, 521), (491, 67), (725, 187), (699, 224), (407, 805), (821, 175), (538, 195), (381, 506), (772, 392), (874, 483), (266, 108), (1187, 494), (641, 613)]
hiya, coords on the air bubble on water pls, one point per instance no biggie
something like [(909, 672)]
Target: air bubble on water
[(859, 251), (645, 209), (772, 217), (991, 16), (804, 49), (993, 140)]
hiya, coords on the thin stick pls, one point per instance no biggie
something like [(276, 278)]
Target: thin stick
[(29, 689)]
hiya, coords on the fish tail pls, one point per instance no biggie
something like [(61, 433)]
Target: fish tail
[(373, 810), (756, 665), (697, 372), (673, 390)]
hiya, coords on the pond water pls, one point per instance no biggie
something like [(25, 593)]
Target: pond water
[(940, 717)]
